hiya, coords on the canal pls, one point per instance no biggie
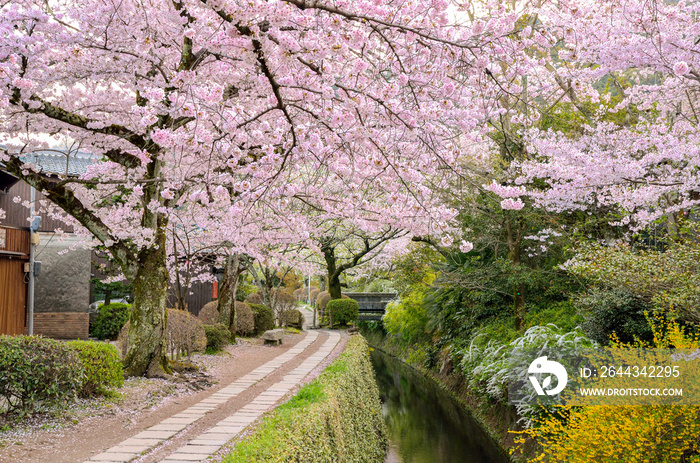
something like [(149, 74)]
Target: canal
[(425, 424)]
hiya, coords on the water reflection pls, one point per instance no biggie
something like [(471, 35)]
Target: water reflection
[(425, 424)]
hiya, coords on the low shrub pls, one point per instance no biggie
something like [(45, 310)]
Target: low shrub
[(614, 311), (209, 313), (255, 298), (245, 321), (314, 295), (298, 294), (283, 301), (184, 334), (293, 318), (336, 417), (100, 362), (218, 336), (322, 300), (36, 372), (263, 318), (110, 320), (342, 311)]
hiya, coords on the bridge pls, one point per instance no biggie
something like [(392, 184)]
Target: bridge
[(372, 305)]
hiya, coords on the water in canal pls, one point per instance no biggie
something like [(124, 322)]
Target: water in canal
[(425, 424)]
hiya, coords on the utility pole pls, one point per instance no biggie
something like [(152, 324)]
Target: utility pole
[(33, 243)]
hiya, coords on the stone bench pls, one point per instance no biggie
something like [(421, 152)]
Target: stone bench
[(273, 336)]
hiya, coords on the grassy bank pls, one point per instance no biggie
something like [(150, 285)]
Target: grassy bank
[(335, 418)]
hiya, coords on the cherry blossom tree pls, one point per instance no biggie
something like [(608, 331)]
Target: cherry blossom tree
[(631, 71), (227, 105)]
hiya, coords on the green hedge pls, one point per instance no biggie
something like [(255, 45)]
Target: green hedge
[(343, 311), (335, 418), (263, 317), (103, 370), (110, 320), (218, 336), (37, 372)]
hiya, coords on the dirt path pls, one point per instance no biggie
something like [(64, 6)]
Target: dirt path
[(92, 427)]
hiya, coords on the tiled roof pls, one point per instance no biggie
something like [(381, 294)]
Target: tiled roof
[(53, 162)]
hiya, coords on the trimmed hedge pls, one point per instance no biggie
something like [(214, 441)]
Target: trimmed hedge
[(110, 320), (293, 318), (209, 313), (314, 294), (335, 418), (245, 321), (36, 372), (103, 370), (218, 336), (263, 318), (322, 299), (343, 311)]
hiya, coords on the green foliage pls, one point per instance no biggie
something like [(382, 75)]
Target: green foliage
[(293, 318), (335, 418), (608, 311), (218, 336), (245, 287), (103, 370), (110, 320), (343, 311), (666, 279), (490, 365), (245, 321), (36, 372), (562, 313), (407, 318), (263, 318)]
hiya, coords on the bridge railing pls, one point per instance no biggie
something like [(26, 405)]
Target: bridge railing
[(372, 305)]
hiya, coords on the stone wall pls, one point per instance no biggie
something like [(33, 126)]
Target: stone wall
[(64, 282)]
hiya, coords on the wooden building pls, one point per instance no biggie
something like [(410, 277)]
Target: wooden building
[(63, 290), (14, 253)]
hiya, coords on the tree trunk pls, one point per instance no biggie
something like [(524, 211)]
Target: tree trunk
[(334, 286), (332, 269), (227, 292), (146, 351), (108, 296), (514, 241)]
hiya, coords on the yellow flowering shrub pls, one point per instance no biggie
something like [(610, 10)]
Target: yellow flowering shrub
[(623, 434)]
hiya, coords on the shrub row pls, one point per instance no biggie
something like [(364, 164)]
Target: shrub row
[(39, 372), (251, 318), (342, 311), (335, 418)]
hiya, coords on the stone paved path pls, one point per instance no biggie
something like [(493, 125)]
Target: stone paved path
[(212, 439)]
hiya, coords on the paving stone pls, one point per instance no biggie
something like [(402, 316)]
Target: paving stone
[(200, 449), (109, 456)]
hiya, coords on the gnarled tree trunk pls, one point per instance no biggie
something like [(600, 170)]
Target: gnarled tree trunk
[(146, 351), (227, 295)]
